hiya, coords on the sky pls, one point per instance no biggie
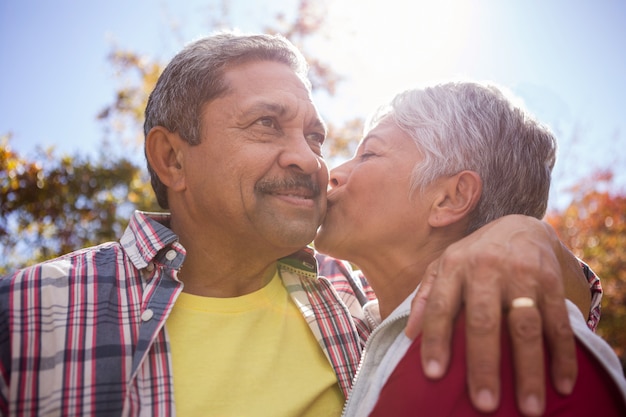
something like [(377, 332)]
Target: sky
[(564, 58)]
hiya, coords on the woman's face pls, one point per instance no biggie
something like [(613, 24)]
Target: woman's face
[(369, 201)]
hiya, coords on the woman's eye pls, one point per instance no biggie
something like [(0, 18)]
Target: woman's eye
[(366, 155)]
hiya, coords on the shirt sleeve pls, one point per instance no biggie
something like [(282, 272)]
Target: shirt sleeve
[(595, 287)]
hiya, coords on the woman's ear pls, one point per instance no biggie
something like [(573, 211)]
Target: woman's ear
[(456, 197), (165, 156)]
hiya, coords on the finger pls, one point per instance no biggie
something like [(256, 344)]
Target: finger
[(561, 343), (440, 310), (527, 329), (414, 324), (483, 326), (528, 358), (558, 330)]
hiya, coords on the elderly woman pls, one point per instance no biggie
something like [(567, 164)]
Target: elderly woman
[(435, 165)]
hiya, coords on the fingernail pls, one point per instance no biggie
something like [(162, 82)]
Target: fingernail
[(485, 400), (532, 406), (433, 369), (565, 386)]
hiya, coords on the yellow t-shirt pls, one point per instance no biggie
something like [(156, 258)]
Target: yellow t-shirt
[(252, 355)]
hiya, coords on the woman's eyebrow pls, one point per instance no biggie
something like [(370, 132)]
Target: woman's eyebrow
[(370, 137)]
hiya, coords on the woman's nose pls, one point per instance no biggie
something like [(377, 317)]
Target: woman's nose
[(338, 176)]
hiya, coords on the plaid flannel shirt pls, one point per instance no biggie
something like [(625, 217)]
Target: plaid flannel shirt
[(83, 335)]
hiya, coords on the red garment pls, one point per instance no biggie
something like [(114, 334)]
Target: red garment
[(409, 393)]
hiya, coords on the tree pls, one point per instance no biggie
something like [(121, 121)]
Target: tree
[(593, 226), (53, 205)]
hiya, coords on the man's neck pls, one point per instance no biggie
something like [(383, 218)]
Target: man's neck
[(210, 279)]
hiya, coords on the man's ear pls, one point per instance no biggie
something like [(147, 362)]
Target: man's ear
[(164, 151), (456, 197)]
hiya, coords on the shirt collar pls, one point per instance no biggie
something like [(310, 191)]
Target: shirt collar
[(148, 239), (303, 260)]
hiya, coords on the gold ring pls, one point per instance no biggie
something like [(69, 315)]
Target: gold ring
[(522, 302)]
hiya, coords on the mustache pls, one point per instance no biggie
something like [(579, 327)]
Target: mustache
[(271, 185)]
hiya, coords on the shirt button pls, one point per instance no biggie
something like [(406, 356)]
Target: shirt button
[(170, 255), (147, 315), (150, 267)]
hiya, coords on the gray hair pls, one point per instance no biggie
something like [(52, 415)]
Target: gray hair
[(469, 126), (195, 76)]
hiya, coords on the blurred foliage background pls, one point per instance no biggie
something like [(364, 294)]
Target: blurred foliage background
[(52, 204)]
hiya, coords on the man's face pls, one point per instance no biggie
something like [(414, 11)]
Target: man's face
[(258, 178)]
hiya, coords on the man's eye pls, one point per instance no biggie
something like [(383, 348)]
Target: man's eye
[(316, 137), (267, 122)]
